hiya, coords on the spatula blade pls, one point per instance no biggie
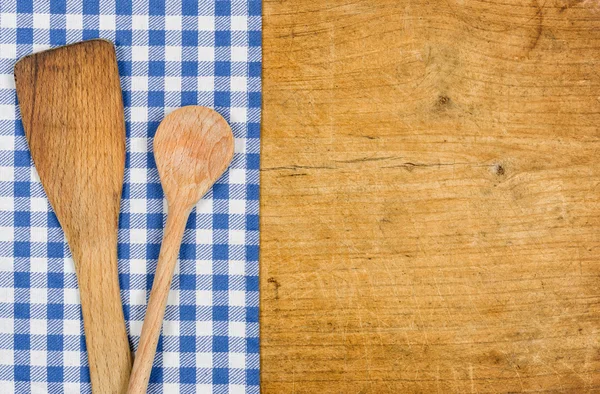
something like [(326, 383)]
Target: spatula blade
[(72, 111)]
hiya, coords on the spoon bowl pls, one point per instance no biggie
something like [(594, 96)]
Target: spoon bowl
[(192, 148)]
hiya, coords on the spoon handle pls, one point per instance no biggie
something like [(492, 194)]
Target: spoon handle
[(167, 259)]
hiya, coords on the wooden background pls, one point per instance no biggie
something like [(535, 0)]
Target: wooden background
[(430, 196)]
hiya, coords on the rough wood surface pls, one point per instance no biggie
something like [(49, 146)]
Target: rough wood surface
[(193, 146), (72, 110), (430, 218)]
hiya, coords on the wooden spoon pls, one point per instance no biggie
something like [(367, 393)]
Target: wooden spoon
[(193, 146), (72, 110)]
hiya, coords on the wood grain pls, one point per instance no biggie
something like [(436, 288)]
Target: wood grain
[(429, 197), (72, 110), (193, 146)]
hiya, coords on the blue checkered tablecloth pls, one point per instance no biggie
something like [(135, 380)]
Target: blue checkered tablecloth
[(170, 54)]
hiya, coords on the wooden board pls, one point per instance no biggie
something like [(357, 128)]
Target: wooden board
[(430, 197), (72, 110)]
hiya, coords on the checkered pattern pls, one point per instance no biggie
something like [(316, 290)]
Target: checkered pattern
[(170, 54)]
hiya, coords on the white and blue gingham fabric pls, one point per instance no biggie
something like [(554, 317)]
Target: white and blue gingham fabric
[(170, 53)]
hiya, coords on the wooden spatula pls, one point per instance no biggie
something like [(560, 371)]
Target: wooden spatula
[(193, 146), (72, 110)]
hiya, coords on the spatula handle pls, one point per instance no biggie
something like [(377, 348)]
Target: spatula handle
[(106, 339), (167, 259)]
